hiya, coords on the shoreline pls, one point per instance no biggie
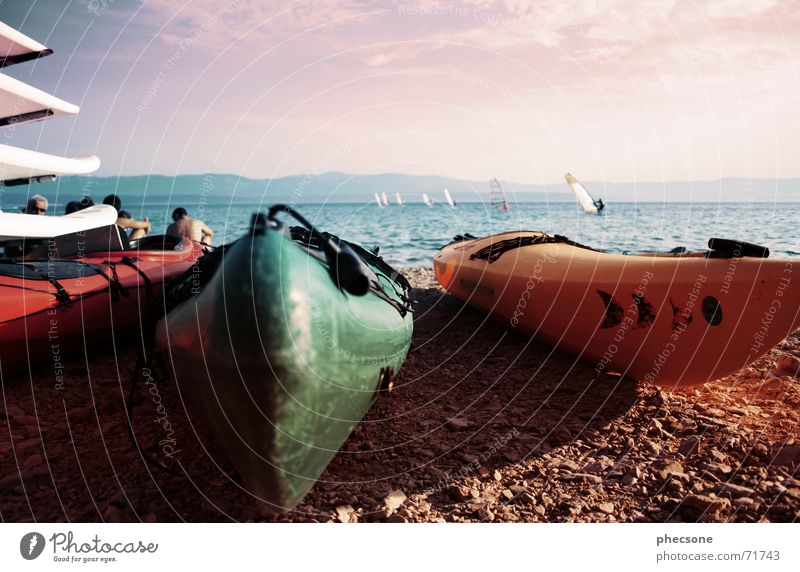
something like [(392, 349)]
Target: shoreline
[(483, 425)]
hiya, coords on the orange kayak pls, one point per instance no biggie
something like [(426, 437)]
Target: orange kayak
[(668, 319), (53, 308)]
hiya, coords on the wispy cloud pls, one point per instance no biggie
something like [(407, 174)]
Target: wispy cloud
[(222, 23)]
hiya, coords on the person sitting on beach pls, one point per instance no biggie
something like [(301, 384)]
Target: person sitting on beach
[(75, 206), (29, 249), (191, 228), (138, 228), (37, 205), (136, 233)]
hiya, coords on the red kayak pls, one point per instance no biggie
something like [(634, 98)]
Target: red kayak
[(52, 308)]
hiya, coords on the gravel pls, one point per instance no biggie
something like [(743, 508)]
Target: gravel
[(483, 425)]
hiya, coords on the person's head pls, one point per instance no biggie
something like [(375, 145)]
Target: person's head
[(114, 201), (124, 214), (72, 207), (179, 213), (37, 205), (86, 202)]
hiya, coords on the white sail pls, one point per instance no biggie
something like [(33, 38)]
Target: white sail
[(449, 198), (585, 200), (399, 199), (379, 201), (497, 198), (427, 200), (384, 199)]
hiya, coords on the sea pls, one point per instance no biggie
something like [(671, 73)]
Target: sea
[(410, 235)]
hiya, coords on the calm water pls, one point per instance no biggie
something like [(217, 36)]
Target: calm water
[(410, 235)]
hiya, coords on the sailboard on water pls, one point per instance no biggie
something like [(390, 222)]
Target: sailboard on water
[(449, 198), (497, 198), (585, 200)]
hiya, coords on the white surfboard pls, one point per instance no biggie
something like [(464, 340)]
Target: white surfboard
[(18, 225), (20, 102), (19, 166), (16, 47)]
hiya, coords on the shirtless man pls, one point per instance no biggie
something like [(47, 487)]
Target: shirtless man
[(192, 228), (138, 228)]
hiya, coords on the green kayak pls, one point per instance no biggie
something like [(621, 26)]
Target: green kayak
[(283, 340)]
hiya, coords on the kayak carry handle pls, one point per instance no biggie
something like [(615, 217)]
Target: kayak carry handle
[(726, 248), (345, 267)]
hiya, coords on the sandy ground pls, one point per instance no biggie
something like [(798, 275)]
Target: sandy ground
[(484, 425)]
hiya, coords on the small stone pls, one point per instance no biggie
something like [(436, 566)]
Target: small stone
[(458, 424), (22, 445), (787, 456), (507, 494), (468, 458), (717, 456), (568, 465), (343, 512), (793, 492), (525, 498), (735, 491), (664, 468), (396, 518), (632, 476), (787, 364), (680, 477), (497, 476), (33, 461), (13, 411), (689, 445), (705, 503), (394, 500), (652, 448), (596, 467), (606, 507), (586, 478), (113, 514), (457, 493), (745, 506), (720, 468)]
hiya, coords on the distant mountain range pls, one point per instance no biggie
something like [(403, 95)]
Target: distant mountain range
[(348, 188)]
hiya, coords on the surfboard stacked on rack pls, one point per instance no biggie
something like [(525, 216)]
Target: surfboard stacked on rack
[(22, 103)]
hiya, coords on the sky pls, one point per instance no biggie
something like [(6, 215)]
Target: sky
[(617, 90)]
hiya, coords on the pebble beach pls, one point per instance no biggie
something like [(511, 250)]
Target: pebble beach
[(483, 425)]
